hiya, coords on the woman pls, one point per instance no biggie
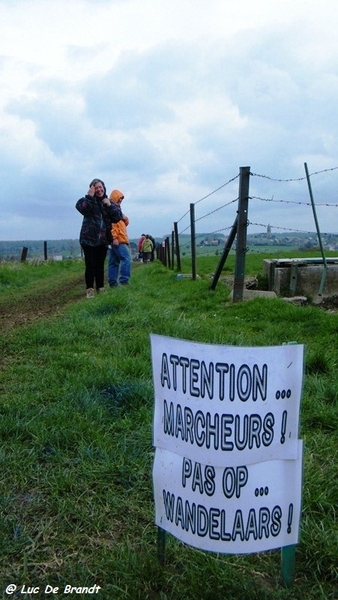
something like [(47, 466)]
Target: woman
[(98, 215)]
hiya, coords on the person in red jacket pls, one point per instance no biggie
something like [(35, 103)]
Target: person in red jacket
[(139, 246), (119, 261)]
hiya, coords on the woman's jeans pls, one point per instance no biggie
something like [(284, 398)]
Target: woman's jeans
[(119, 265), (94, 261)]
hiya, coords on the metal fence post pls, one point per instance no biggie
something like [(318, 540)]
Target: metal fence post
[(177, 247), (193, 240), (167, 253), (24, 253), (322, 282), (224, 256), (242, 225)]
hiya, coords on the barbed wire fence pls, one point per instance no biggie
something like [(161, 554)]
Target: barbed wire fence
[(184, 238)]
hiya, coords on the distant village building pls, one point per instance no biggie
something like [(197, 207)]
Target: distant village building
[(213, 242)]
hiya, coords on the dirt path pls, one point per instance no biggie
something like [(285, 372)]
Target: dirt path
[(36, 305)]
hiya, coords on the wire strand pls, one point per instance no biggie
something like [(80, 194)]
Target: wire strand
[(295, 179)]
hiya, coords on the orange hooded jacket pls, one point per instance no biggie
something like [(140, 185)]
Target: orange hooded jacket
[(119, 230)]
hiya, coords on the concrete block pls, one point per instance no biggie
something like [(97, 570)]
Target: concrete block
[(301, 276)]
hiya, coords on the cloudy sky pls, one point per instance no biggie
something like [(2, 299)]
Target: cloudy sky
[(166, 100)]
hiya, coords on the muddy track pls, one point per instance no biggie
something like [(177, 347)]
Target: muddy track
[(40, 304)]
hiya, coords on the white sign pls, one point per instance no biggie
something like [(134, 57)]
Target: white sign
[(237, 510), (228, 464), (226, 405)]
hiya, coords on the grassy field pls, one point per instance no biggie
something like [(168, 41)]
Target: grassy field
[(76, 435)]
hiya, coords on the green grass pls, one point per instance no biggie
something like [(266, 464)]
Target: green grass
[(18, 275), (207, 263), (76, 430)]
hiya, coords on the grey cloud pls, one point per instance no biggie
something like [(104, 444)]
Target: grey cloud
[(55, 120), (286, 113), (127, 97)]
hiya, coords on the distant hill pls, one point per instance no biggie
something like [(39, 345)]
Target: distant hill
[(70, 248), (36, 249), (67, 248)]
